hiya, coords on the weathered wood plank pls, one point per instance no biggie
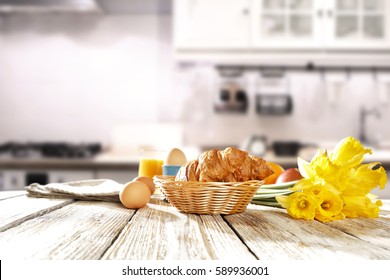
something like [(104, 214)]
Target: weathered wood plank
[(9, 194), (160, 231), (18, 209), (375, 231), (81, 230), (385, 208), (271, 234)]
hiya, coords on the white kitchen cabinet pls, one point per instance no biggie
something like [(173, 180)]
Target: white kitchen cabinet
[(61, 176), (331, 24), (215, 24), (286, 24), (357, 24), (281, 24)]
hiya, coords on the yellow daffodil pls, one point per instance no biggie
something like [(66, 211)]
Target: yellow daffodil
[(349, 152), (336, 185), (365, 178), (330, 206), (309, 187), (299, 205), (360, 206), (320, 168)]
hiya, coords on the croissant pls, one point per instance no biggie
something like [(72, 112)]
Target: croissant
[(229, 165)]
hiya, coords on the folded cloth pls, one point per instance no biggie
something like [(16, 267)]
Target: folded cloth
[(103, 189)]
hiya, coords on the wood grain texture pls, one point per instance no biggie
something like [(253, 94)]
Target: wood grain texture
[(271, 234), (385, 209), (81, 230), (18, 209), (375, 231), (159, 231), (9, 194), (32, 228)]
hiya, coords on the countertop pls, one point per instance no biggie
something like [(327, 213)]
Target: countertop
[(67, 229), (124, 162), (103, 161)]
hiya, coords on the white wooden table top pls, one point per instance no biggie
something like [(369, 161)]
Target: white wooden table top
[(39, 228)]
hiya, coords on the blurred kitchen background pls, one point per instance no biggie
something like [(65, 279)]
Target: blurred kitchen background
[(85, 84)]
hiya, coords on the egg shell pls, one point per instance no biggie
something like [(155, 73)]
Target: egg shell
[(146, 180), (176, 157), (135, 195)]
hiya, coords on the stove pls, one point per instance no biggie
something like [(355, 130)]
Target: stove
[(17, 177), (50, 149)]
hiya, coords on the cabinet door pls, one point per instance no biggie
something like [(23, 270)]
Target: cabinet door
[(286, 24), (13, 180), (211, 24), (358, 24), (69, 176)]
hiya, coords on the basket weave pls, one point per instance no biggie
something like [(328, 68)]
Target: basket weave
[(207, 197)]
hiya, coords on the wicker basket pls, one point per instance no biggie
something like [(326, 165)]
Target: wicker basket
[(207, 197)]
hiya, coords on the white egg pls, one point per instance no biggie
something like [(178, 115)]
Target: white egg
[(176, 157)]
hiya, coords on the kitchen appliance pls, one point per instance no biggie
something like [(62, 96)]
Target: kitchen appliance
[(273, 94), (13, 178), (50, 150), (256, 145), (289, 148), (231, 93)]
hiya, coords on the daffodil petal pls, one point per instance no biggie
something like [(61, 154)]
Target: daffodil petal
[(364, 179), (331, 204), (283, 201), (304, 168), (324, 169), (349, 152), (302, 184), (360, 206), (325, 219), (301, 206)]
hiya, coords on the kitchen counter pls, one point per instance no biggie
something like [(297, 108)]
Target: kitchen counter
[(104, 162), (117, 162), (66, 229)]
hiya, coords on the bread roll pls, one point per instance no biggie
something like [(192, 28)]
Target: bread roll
[(229, 165)]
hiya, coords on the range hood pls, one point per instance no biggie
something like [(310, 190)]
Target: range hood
[(47, 6)]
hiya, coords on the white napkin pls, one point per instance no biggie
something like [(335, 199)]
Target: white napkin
[(103, 189)]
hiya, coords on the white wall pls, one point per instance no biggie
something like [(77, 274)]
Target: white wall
[(72, 77)]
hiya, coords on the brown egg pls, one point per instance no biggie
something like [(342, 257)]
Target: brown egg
[(135, 195), (146, 180)]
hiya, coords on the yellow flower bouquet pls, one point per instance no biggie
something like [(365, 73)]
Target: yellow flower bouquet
[(336, 185)]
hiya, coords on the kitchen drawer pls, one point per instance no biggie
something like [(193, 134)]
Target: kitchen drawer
[(12, 180)]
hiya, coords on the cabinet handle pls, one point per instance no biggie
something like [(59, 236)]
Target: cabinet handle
[(330, 13), (320, 13), (245, 11)]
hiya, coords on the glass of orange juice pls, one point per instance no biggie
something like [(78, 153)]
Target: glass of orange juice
[(150, 163)]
